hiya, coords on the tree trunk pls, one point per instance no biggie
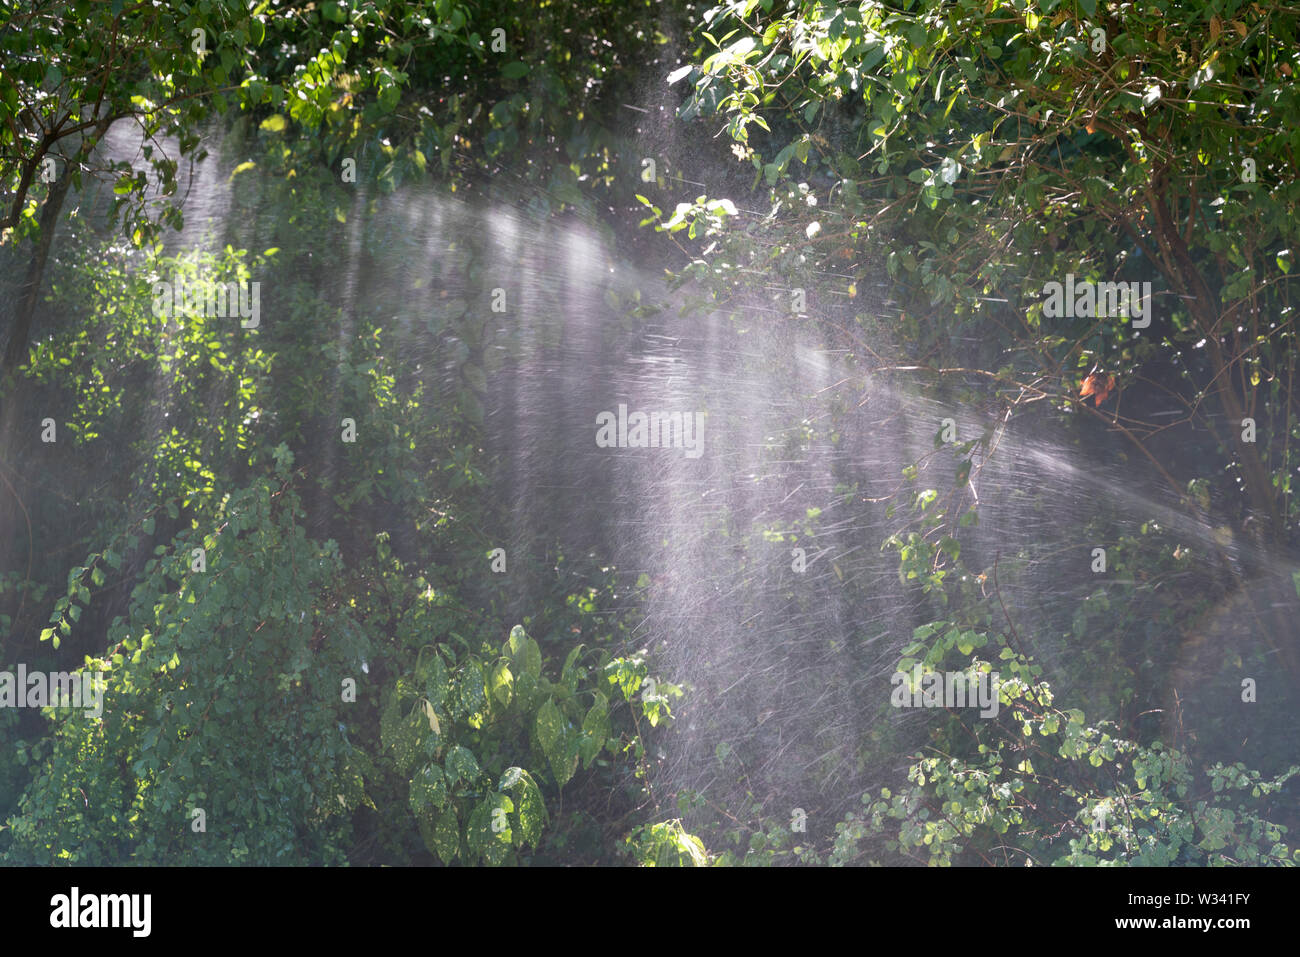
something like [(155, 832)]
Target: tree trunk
[(1203, 304), (1264, 500), (29, 293)]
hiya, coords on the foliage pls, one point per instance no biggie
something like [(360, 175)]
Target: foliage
[(217, 700), (1046, 787), (85, 67), (254, 733), (666, 845), (454, 747), (979, 150), (312, 666)]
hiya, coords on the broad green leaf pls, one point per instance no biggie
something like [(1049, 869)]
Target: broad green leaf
[(460, 764), (428, 790), (524, 652)]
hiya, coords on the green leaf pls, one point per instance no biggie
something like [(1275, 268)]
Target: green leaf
[(510, 777), (482, 839), (502, 683), (471, 684), (461, 765), (550, 726), (524, 652), (595, 731), (558, 743), (531, 807), (400, 734), (443, 837), (428, 790), (532, 813)]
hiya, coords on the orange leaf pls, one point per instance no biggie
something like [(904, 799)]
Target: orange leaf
[(1097, 386)]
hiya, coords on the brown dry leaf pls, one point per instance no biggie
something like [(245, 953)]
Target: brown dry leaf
[(1098, 386), (1239, 27), (1216, 27)]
